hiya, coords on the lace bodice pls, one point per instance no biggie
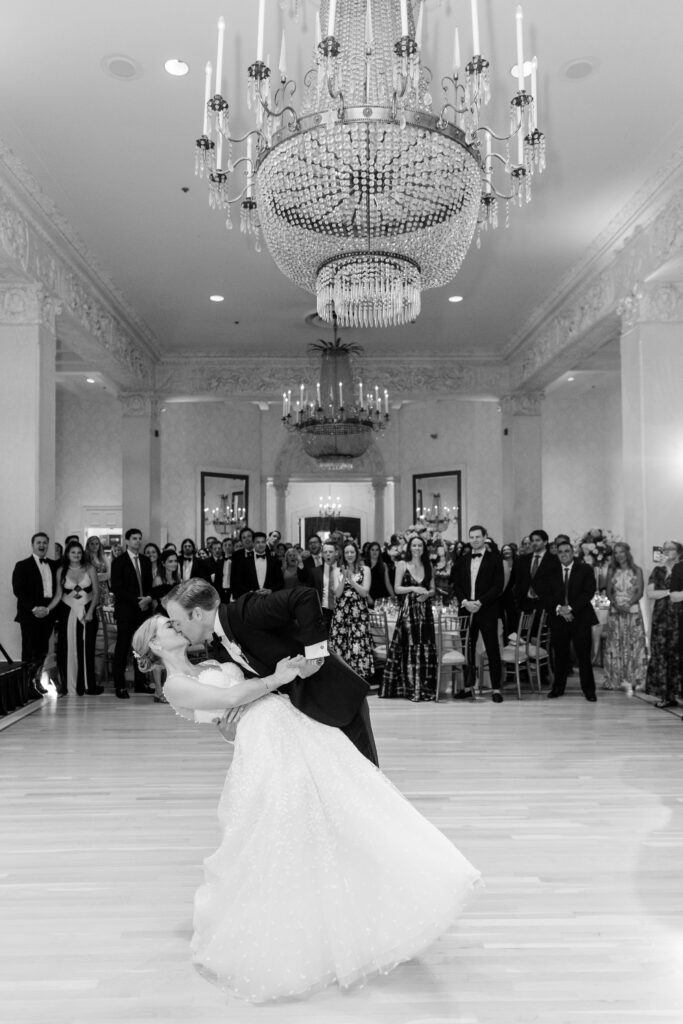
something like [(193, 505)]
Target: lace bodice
[(213, 674)]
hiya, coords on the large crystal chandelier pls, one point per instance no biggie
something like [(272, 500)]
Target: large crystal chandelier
[(437, 516), (334, 417), (226, 519), (374, 189)]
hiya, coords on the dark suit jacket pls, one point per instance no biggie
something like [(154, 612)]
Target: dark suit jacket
[(201, 568), (281, 625), (124, 587), (488, 585), (244, 579), (580, 592), (542, 582), (676, 582), (27, 584)]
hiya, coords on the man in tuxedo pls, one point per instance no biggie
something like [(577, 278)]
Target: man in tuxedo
[(131, 585), (319, 577), (536, 575), (258, 630), (214, 562), (572, 621), (239, 559), (258, 571), (189, 565), (34, 585), (477, 582), (273, 539)]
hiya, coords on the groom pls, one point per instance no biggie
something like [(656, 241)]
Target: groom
[(258, 630)]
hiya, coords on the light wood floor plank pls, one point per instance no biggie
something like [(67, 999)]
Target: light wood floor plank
[(572, 811)]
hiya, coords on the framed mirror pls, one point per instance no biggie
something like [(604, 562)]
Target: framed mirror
[(437, 502), (224, 505)]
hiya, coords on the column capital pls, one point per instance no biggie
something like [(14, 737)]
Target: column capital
[(658, 303), (522, 403), (140, 403), (28, 304)]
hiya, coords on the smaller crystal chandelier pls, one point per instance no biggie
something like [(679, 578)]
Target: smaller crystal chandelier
[(336, 419), (329, 509), (226, 519), (437, 517)]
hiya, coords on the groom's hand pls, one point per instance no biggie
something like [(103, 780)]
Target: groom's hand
[(310, 666)]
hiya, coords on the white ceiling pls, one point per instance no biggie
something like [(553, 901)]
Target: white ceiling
[(114, 156)]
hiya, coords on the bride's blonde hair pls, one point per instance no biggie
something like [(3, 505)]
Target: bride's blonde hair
[(142, 652)]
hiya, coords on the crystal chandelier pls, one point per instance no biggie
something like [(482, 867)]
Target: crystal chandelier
[(437, 517), (226, 519), (336, 419), (373, 190), (328, 509)]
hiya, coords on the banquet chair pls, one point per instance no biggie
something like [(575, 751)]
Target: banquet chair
[(515, 654), (538, 653), (452, 636), (379, 635)]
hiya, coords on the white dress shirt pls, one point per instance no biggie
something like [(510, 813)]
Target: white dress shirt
[(475, 566), (46, 573)]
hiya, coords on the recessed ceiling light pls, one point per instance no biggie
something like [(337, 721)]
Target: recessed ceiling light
[(216, 298), (90, 380), (176, 67), (581, 67), (528, 65), (570, 378), (118, 65), (455, 298)]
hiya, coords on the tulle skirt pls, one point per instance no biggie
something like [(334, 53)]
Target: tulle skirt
[(325, 874)]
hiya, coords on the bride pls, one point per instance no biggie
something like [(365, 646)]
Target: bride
[(325, 873)]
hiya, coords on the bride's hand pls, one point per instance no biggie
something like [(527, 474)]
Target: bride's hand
[(288, 669)]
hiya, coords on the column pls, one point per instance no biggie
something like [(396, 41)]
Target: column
[(522, 483), (652, 412), (281, 523), (27, 429), (378, 489), (141, 485)]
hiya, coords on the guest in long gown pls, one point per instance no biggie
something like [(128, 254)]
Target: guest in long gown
[(380, 583), (76, 599), (350, 629), (625, 651), (411, 669), (325, 873), (94, 553), (664, 671)]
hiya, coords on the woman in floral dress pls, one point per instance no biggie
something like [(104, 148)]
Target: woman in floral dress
[(411, 669), (625, 652), (350, 629), (664, 676)]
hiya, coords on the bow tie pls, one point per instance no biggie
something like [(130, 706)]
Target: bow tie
[(259, 556), (216, 640), (43, 561), (480, 555)]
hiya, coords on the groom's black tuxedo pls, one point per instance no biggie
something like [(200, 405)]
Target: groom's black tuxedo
[(269, 627)]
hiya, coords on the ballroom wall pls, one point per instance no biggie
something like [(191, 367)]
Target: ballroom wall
[(582, 461)]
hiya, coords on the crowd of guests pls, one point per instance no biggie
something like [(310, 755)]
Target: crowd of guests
[(411, 573)]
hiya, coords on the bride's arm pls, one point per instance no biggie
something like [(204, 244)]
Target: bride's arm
[(187, 692)]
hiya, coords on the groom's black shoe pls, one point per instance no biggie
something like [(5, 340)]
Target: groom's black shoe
[(462, 695), (123, 694)]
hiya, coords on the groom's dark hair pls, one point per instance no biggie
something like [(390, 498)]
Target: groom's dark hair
[(195, 593)]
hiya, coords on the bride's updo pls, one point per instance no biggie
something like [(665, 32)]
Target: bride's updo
[(142, 652)]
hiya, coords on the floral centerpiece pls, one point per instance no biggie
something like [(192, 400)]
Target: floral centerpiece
[(596, 547)]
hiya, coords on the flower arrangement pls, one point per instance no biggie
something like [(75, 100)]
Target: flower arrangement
[(596, 547)]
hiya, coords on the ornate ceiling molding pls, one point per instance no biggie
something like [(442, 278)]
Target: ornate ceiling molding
[(139, 404), (28, 304), (581, 302), (659, 303), (38, 245), (522, 403), (253, 378)]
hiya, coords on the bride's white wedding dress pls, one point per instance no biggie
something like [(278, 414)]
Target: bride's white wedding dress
[(325, 872)]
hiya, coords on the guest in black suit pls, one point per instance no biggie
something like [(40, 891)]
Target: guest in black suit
[(258, 630), (314, 558), (131, 585), (476, 583), (573, 620), (34, 585), (258, 571), (240, 556), (190, 565), (535, 576), (320, 578)]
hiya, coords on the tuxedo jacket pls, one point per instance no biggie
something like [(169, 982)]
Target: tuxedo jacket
[(269, 627), (27, 584), (217, 577), (124, 586), (488, 584), (201, 568), (542, 583), (580, 591), (244, 578)]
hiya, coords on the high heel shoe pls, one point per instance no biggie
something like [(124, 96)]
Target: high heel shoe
[(160, 700), (666, 704)]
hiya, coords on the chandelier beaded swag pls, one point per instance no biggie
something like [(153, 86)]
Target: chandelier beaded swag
[(373, 191)]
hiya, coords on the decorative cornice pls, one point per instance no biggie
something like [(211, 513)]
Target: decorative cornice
[(253, 378), (660, 303), (522, 403), (28, 304), (139, 403), (40, 245)]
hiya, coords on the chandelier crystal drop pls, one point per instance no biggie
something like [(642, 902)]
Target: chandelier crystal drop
[(372, 191)]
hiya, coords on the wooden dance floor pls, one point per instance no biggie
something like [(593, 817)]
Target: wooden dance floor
[(572, 811)]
